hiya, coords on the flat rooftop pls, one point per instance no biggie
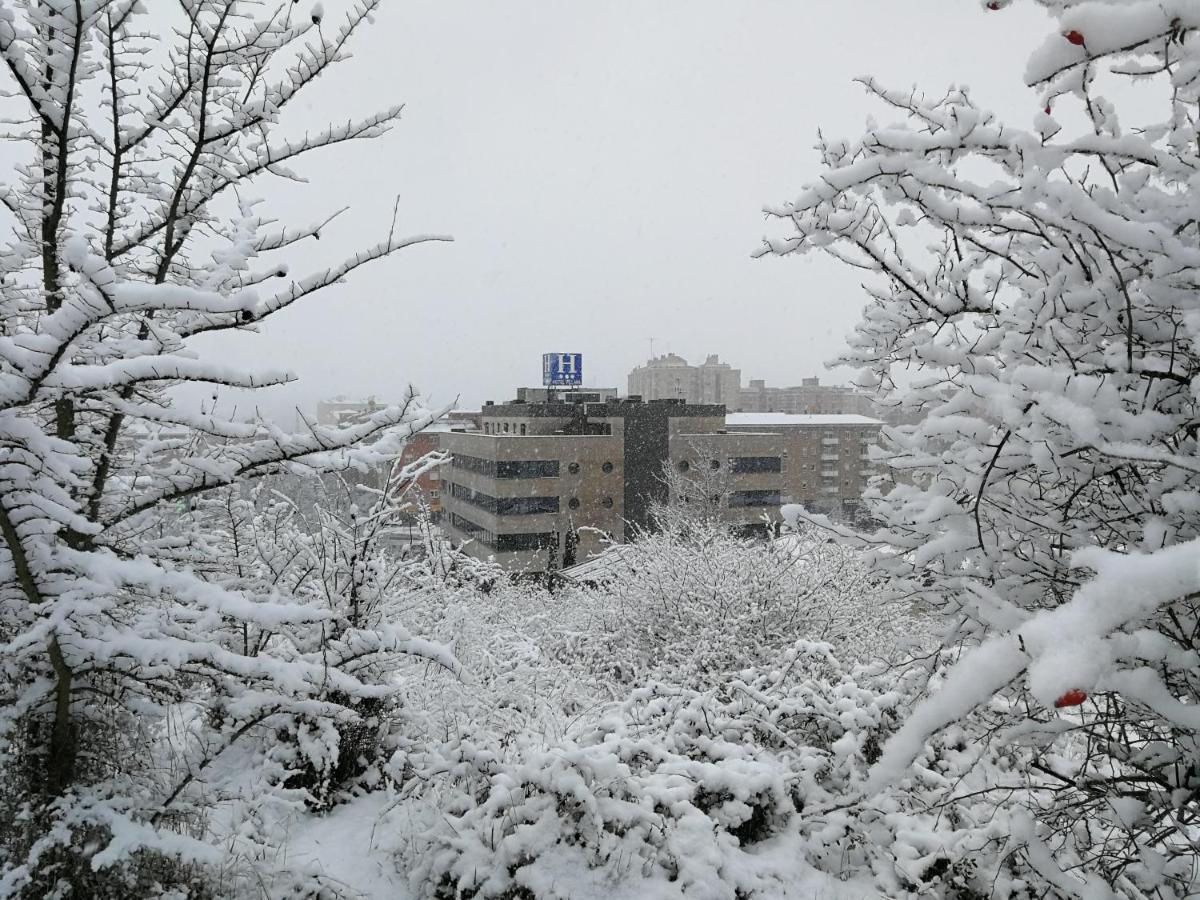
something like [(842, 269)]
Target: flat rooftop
[(768, 419)]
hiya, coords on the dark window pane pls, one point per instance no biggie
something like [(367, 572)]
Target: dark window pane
[(505, 506), (533, 468), (741, 465), (754, 498), (526, 506), (540, 540)]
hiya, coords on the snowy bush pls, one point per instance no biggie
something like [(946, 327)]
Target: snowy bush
[(690, 601), (743, 790), (1042, 285), (668, 795)]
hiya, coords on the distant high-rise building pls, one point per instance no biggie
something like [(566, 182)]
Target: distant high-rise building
[(810, 397), (671, 377)]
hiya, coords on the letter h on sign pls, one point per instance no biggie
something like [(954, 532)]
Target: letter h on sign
[(562, 368)]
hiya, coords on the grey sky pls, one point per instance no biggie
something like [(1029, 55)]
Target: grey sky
[(602, 167)]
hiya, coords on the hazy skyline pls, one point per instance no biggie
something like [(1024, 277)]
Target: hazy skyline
[(602, 168)]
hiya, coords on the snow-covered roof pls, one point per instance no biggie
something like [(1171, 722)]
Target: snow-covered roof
[(763, 419), (605, 564)]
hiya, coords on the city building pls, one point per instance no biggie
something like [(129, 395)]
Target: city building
[(827, 462), (462, 419), (547, 484), (810, 397), (670, 377), (426, 488), (343, 411)]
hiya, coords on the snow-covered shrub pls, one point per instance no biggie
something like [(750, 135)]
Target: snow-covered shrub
[(1042, 284), (666, 796), (690, 601), (738, 790)]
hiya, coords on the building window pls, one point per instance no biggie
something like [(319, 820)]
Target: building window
[(684, 465), (506, 428), (527, 468), (573, 468), (607, 502), (475, 532), (505, 506), (744, 465), (573, 503), (526, 506), (522, 428), (531, 468), (538, 540), (714, 464), (606, 468), (753, 498)]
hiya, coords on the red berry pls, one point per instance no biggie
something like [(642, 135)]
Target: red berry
[(1047, 110), (1074, 37), (994, 5), (1073, 697)]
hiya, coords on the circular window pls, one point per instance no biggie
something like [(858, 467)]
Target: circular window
[(607, 467), (684, 465), (573, 468), (607, 502), (715, 464), (573, 503)]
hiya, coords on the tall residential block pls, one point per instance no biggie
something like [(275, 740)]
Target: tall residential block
[(671, 377)]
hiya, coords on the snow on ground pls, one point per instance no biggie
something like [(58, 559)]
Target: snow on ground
[(356, 846)]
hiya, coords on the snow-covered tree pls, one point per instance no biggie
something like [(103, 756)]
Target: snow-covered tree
[(340, 557), (134, 232), (1040, 288)]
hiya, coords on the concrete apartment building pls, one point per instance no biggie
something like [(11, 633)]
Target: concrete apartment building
[(827, 462), (547, 484), (671, 377), (810, 397)]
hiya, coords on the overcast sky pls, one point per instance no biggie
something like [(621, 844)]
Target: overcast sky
[(602, 167)]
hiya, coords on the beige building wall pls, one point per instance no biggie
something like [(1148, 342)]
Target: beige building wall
[(589, 487), (709, 462), (828, 460)]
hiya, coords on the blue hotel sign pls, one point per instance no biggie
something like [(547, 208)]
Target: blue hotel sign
[(562, 369)]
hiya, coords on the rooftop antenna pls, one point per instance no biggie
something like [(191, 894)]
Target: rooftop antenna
[(652, 348)]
